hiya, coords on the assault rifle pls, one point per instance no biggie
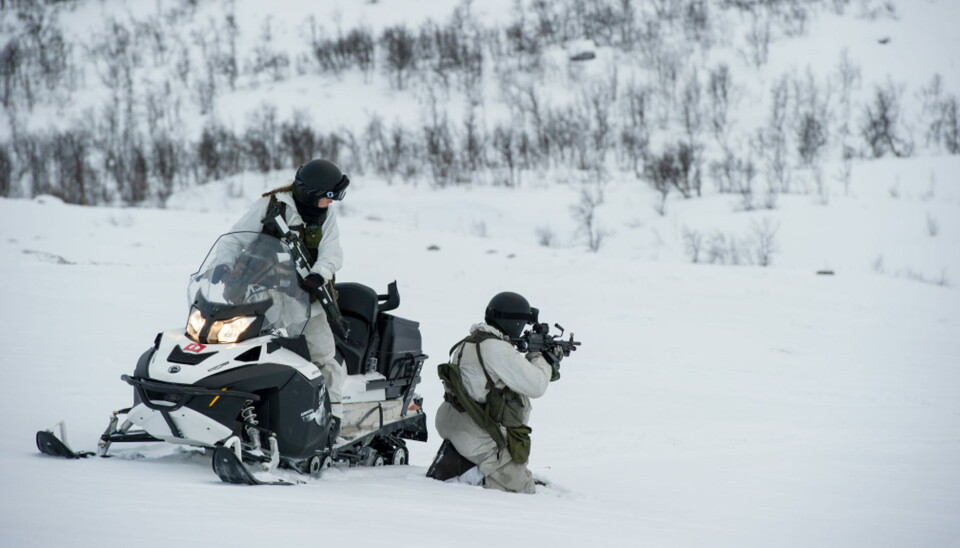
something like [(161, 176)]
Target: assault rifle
[(539, 339), (288, 236)]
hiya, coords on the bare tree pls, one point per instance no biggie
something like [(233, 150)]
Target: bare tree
[(764, 237), (720, 91), (693, 243), (940, 112), (881, 126), (400, 45), (585, 214), (758, 41)]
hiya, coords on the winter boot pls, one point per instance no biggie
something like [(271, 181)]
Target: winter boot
[(448, 463)]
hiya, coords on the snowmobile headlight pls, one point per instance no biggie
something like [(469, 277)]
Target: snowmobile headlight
[(229, 331), (195, 324)]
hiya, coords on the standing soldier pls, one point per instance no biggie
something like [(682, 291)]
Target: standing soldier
[(305, 206), (488, 386)]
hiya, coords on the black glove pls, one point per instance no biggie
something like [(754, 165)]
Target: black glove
[(220, 272), (313, 282), (553, 357)]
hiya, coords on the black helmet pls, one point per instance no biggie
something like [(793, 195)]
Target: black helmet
[(509, 312), (319, 179)]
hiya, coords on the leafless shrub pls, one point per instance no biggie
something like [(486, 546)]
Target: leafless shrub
[(763, 238), (266, 58), (297, 139), (667, 64), (933, 226), (941, 113), (11, 63), (115, 56), (845, 172), (440, 147), (69, 153), (720, 92), (453, 49), (635, 131), (6, 171), (793, 16), (217, 153), (757, 248), (505, 149), (168, 162), (823, 191), (41, 56), (479, 229), (811, 119), (696, 22), (355, 49), (473, 143), (848, 75), (598, 101), (881, 126), (32, 164), (390, 151), (546, 236), (693, 244), (261, 145), (758, 41), (400, 45), (585, 214), (724, 250), (677, 166), (691, 110), (523, 42), (917, 276)]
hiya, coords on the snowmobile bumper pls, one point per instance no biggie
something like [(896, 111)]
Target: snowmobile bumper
[(169, 419)]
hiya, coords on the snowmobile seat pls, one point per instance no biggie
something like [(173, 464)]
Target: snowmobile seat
[(358, 305)]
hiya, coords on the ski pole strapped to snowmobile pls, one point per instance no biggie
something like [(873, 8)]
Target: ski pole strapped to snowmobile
[(288, 236), (539, 339)]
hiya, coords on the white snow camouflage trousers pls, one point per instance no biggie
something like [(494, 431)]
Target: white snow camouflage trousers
[(323, 351), (498, 469)]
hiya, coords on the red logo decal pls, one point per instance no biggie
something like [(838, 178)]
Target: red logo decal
[(194, 347)]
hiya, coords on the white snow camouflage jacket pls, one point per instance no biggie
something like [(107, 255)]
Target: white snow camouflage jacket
[(527, 375), (329, 254)]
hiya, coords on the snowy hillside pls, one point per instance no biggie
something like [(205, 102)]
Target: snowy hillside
[(772, 361)]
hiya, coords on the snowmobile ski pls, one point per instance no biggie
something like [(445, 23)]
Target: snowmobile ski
[(49, 444), (230, 469)]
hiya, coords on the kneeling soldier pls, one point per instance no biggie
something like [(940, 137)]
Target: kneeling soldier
[(488, 385)]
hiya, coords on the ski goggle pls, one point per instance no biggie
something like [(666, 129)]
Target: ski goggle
[(308, 194), (531, 318)]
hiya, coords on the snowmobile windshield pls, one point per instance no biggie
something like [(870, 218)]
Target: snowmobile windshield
[(247, 271)]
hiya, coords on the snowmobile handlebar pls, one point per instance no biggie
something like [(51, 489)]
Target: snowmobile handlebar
[(143, 385), (391, 300)]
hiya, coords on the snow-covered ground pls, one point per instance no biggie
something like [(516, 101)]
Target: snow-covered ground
[(709, 405)]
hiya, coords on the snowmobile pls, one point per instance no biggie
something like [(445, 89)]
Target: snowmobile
[(238, 378)]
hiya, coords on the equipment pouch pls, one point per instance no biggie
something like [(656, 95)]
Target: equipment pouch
[(512, 413), (496, 404), (518, 443)]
